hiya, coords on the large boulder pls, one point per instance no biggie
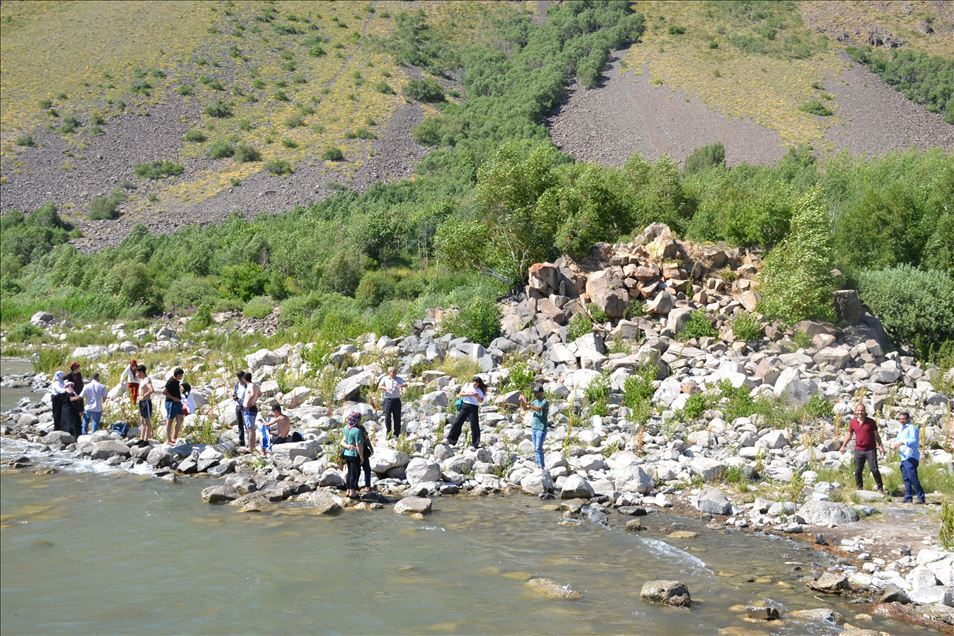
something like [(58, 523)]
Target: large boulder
[(706, 468), (384, 459), (261, 358), (790, 386), (349, 387), (714, 502), (830, 583), (219, 494), (823, 513), (323, 502), (420, 470), (41, 319), (606, 291), (292, 450), (59, 439), (576, 487), (633, 478), (665, 592), (412, 505), (109, 448)]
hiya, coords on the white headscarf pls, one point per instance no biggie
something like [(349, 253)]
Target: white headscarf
[(57, 386)]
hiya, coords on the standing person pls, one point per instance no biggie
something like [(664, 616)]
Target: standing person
[(540, 407), (57, 397), (238, 394), (867, 441), (131, 378), (94, 394), (907, 443), (145, 403), (250, 409), (390, 387), (76, 377), (72, 419), (352, 443), (173, 393), (472, 398), (367, 452)]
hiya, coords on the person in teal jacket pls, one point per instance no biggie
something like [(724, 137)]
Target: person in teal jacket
[(907, 443), (353, 452)]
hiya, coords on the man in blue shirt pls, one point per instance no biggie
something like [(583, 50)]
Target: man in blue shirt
[(907, 443)]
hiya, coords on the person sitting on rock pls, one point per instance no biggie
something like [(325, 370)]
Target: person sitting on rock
[(867, 443), (280, 426), (907, 443), (472, 397)]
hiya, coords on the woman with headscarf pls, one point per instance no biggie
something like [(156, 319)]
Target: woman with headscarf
[(71, 418), (353, 452), (57, 396), (471, 399)]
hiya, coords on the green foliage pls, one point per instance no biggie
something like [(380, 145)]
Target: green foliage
[(589, 69), (768, 27), (710, 156), (596, 313), (332, 154), (278, 167), (24, 238), (70, 124), (24, 332), (816, 107), (218, 109), (246, 153), (384, 87), (221, 149), (106, 207), (817, 407), (424, 90), (596, 393), (796, 280), (912, 304), (923, 78), (746, 327), (478, 321), (243, 281), (24, 140), (579, 326), (695, 406), (675, 29), (196, 136), (521, 378), (945, 535), (258, 307), (698, 326), (158, 169)]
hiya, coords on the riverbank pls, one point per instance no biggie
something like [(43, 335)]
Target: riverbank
[(664, 405)]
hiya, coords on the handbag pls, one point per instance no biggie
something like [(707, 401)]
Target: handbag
[(459, 404)]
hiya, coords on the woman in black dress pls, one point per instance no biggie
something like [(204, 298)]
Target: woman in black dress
[(71, 415)]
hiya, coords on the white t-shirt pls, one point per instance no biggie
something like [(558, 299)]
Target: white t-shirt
[(391, 386), (470, 399), (129, 376), (94, 393)]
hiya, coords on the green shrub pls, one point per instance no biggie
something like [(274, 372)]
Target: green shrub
[(332, 154), (815, 107), (478, 321), (796, 278), (746, 327), (817, 407), (244, 281), (579, 326), (221, 149), (247, 153), (218, 109), (698, 326), (384, 87), (596, 393), (258, 307), (24, 332), (196, 136), (184, 89), (360, 133), (912, 304), (295, 121), (105, 208), (696, 404), (158, 169), (278, 167), (945, 535), (923, 78), (25, 140), (521, 377), (704, 158), (424, 90), (589, 69), (675, 29), (597, 314), (70, 124)]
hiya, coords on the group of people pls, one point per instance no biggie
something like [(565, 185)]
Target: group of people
[(78, 410)]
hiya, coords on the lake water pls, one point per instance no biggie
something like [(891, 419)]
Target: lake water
[(106, 552), (8, 395)]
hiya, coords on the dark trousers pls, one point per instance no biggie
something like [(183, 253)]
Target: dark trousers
[(392, 412), (240, 422), (366, 469), (467, 412), (909, 471), (57, 403), (354, 472), (870, 456)]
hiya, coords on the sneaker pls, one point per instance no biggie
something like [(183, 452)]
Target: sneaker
[(905, 501), (922, 502)]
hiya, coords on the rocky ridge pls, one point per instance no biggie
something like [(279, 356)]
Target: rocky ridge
[(602, 466)]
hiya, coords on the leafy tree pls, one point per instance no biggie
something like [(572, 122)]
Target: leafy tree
[(796, 280)]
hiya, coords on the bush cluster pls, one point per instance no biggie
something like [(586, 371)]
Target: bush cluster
[(158, 169)]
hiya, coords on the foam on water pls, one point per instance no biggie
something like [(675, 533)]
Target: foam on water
[(39, 457), (662, 549)]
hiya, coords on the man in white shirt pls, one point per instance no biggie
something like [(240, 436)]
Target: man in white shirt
[(390, 387), (94, 394)]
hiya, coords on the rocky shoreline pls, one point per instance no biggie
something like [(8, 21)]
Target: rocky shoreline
[(746, 472)]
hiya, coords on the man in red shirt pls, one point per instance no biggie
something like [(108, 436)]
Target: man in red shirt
[(867, 441)]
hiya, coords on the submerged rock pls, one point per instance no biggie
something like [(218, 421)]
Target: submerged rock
[(551, 589), (665, 592)]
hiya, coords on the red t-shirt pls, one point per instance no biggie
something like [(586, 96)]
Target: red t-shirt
[(864, 433)]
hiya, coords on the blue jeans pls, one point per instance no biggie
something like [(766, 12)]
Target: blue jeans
[(538, 437), (909, 471), (96, 417)]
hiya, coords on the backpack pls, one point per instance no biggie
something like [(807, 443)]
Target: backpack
[(120, 427), (459, 404)]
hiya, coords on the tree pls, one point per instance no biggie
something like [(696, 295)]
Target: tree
[(796, 281)]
